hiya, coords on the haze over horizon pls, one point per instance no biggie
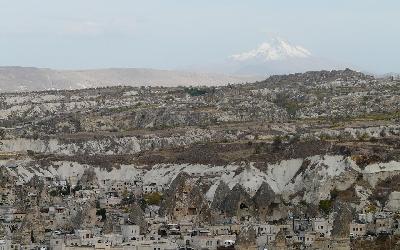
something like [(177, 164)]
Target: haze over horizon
[(180, 35)]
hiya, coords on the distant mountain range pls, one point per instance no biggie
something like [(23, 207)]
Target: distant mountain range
[(276, 56), (34, 79), (273, 57)]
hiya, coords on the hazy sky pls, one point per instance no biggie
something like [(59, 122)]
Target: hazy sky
[(176, 34)]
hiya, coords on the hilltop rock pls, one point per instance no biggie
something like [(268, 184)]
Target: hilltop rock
[(238, 203), (136, 216), (185, 200), (220, 195), (32, 229), (263, 199), (343, 216)]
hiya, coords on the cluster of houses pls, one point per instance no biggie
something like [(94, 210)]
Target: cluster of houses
[(161, 232), (314, 233)]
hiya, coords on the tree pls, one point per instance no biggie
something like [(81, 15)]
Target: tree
[(153, 198), (195, 91), (325, 206), (103, 213)]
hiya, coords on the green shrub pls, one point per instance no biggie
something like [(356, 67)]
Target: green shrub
[(195, 91), (371, 209), (325, 206), (153, 198), (283, 100), (102, 212), (53, 193), (363, 137)]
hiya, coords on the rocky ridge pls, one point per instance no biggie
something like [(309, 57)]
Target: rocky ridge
[(311, 143)]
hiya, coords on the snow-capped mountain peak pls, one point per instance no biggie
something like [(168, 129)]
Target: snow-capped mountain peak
[(275, 50)]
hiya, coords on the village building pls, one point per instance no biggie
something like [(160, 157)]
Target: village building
[(358, 229)]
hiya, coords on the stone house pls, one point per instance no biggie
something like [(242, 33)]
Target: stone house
[(130, 232), (113, 239), (357, 229), (86, 237), (322, 226), (57, 243), (219, 229), (301, 224), (5, 244), (186, 227), (309, 238), (150, 188), (109, 201), (210, 242), (162, 244), (383, 225), (266, 229)]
